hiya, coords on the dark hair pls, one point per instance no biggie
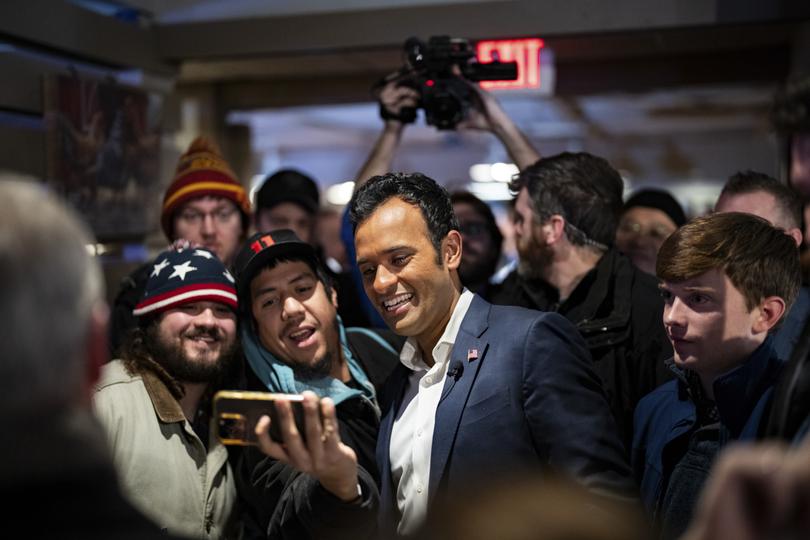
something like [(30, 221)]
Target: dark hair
[(137, 357), (317, 269), (245, 300), (288, 185), (582, 188), (759, 259), (413, 188), (657, 199), (788, 202), (483, 209)]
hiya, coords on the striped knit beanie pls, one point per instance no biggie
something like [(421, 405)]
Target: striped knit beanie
[(184, 276), (201, 171)]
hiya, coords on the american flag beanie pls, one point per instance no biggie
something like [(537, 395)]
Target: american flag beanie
[(183, 276)]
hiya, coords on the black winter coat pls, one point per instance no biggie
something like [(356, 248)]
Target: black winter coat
[(618, 310)]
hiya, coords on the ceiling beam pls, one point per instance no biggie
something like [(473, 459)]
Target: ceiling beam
[(632, 62), (567, 48), (67, 29), (392, 26), (574, 77)]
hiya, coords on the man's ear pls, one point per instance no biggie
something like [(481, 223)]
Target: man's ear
[(771, 310), (334, 297), (96, 348), (796, 234), (554, 229), (451, 249)]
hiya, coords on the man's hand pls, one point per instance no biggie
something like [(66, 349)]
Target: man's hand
[(393, 98), (323, 455), (182, 243), (487, 114)]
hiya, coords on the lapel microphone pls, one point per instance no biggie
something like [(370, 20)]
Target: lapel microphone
[(455, 370)]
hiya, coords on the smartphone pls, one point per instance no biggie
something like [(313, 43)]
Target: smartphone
[(236, 414)]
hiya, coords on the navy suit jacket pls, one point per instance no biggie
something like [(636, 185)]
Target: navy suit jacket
[(530, 399)]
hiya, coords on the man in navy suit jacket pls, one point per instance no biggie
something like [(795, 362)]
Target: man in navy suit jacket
[(483, 390)]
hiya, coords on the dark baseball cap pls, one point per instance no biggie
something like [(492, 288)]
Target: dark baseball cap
[(659, 200), (263, 248), (288, 185)]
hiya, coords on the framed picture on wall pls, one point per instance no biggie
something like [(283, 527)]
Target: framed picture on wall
[(103, 148)]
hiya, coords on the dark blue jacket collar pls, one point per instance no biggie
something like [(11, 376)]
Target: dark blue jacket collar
[(738, 391)]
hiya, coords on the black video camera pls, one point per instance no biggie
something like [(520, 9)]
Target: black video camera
[(444, 96)]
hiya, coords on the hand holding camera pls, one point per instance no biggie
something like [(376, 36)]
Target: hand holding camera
[(398, 103), (439, 74)]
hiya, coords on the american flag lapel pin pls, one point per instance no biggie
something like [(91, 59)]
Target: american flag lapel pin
[(472, 354)]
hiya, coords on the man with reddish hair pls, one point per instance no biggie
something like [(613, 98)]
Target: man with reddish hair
[(727, 280)]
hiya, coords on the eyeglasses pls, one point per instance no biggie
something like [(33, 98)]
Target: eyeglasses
[(473, 228), (656, 231), (221, 216)]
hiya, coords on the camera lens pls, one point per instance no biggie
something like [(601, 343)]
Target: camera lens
[(232, 428)]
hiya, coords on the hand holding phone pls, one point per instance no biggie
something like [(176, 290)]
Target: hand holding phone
[(236, 414), (313, 446), (298, 429)]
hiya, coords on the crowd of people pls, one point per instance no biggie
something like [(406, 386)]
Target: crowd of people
[(636, 375)]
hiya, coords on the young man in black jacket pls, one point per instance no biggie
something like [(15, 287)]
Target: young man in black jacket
[(294, 342)]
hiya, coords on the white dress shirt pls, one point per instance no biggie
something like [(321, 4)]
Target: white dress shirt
[(412, 434)]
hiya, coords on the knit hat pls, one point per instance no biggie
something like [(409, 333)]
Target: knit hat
[(659, 200), (262, 248), (201, 171), (288, 185), (184, 276)]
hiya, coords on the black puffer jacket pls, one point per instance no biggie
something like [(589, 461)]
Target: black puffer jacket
[(618, 310)]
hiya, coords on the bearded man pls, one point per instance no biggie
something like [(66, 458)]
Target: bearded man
[(566, 214), (153, 402)]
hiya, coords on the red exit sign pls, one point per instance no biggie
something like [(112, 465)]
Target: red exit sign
[(526, 52)]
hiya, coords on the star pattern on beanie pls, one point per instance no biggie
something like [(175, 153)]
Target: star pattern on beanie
[(201, 253), (180, 270), (158, 268), (197, 275)]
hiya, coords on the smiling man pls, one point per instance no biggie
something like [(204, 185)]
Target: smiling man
[(727, 281), (153, 401), (204, 205), (482, 390), (295, 343)]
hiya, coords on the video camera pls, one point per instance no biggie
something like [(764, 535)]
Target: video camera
[(429, 69)]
